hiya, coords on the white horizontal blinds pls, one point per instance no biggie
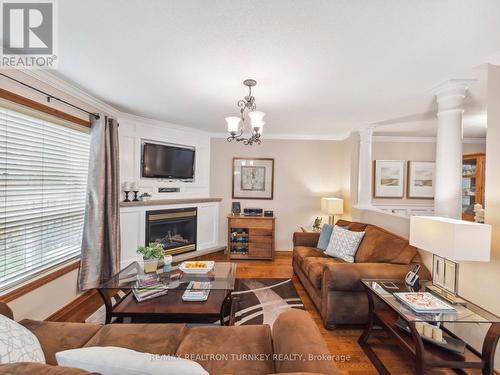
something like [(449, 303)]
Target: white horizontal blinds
[(43, 185)]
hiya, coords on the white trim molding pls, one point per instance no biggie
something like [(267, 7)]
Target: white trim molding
[(403, 139)]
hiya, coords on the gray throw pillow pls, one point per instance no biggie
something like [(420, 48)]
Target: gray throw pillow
[(344, 243), (324, 236)]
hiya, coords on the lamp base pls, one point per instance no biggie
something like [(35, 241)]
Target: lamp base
[(445, 294), (331, 219)]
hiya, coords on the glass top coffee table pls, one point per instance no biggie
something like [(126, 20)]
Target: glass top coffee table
[(168, 305), (403, 323)]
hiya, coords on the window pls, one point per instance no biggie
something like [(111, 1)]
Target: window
[(43, 181)]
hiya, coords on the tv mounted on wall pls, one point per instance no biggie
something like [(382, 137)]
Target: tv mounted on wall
[(167, 161)]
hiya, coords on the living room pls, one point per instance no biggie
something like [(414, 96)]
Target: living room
[(293, 165)]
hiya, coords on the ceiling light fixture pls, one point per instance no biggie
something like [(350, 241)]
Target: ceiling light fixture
[(236, 125)]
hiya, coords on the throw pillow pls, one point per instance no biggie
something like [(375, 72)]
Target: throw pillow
[(324, 236), (18, 344), (344, 243), (110, 360)]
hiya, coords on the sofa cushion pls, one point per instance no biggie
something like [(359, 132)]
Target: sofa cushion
[(313, 268), (24, 368), (352, 225), (57, 336), (18, 344), (324, 236), (302, 252), (380, 246), (242, 350), (344, 243), (150, 338)]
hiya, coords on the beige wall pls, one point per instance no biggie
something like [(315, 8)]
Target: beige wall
[(304, 171), (414, 151)]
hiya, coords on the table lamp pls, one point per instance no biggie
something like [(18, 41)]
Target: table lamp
[(450, 241), (332, 207)]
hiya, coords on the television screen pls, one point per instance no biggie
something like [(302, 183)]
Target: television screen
[(164, 161)]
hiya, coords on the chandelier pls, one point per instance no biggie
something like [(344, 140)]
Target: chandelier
[(236, 125)]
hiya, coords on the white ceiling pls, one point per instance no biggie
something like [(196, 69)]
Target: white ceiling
[(323, 67)]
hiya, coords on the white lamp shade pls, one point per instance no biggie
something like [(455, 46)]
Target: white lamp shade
[(452, 239), (258, 129), (332, 206), (233, 124), (256, 118)]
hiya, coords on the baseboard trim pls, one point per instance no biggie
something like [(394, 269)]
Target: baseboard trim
[(82, 298)]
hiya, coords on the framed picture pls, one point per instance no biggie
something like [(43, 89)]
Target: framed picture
[(253, 178), (421, 175), (389, 179)]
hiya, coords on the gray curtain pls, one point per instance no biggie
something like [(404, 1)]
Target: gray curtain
[(100, 257)]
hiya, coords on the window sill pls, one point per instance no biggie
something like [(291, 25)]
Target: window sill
[(18, 291)]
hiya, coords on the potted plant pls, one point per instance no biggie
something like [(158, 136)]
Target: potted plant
[(151, 255)]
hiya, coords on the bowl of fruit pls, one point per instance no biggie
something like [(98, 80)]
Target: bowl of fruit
[(197, 266)]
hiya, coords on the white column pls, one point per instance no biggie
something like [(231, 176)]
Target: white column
[(448, 181), (365, 168)]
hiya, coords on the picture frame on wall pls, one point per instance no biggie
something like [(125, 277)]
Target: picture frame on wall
[(421, 179), (253, 178), (388, 178)]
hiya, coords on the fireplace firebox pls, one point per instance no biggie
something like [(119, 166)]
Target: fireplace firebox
[(175, 229)]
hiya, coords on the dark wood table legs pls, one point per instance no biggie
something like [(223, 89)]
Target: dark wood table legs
[(426, 356)]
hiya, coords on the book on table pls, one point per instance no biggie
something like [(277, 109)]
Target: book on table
[(148, 288), (424, 302)]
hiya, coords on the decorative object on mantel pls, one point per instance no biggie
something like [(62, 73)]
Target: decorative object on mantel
[(450, 241), (145, 197), (236, 125), (151, 256), (332, 207), (421, 175), (389, 176), (253, 178), (135, 188), (126, 189)]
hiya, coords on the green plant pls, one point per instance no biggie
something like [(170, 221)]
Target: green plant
[(153, 251)]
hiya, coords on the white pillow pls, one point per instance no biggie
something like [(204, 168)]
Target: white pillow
[(344, 243), (18, 344), (111, 360)]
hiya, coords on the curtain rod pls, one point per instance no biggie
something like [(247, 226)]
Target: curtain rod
[(49, 96)]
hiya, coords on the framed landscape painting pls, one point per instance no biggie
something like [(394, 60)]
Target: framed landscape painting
[(421, 176), (389, 179), (253, 178)]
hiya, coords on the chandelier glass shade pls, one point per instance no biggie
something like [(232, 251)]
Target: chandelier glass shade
[(236, 125)]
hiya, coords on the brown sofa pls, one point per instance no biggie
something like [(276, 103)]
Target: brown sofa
[(293, 333), (335, 285)]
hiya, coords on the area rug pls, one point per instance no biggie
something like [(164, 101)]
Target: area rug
[(260, 301)]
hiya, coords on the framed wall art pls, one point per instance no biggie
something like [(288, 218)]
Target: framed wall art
[(389, 178), (421, 175), (253, 178)]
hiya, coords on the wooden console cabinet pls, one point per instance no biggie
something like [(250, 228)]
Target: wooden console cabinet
[(250, 237)]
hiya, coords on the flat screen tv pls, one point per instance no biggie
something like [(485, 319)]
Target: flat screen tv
[(164, 161)]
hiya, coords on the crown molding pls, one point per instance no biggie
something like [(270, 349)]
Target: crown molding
[(71, 89), (400, 139), (296, 137)]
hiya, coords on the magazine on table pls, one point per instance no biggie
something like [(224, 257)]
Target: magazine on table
[(197, 291), (424, 302)]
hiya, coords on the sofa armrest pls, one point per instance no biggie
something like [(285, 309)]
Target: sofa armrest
[(298, 345), (309, 239), (347, 276), (6, 311)]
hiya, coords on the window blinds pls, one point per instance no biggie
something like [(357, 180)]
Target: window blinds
[(43, 181)]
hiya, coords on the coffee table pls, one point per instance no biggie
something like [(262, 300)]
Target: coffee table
[(170, 307), (426, 355)]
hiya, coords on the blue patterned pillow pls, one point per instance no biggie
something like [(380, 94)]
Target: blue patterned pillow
[(344, 243), (324, 236)]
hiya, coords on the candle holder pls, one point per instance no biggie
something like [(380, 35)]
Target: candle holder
[(126, 196), (135, 196)]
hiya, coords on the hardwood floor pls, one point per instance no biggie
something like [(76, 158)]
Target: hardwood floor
[(342, 342)]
